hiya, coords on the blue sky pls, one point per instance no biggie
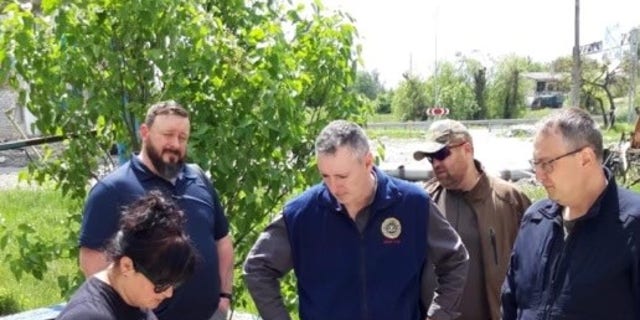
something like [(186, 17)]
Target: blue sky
[(402, 33)]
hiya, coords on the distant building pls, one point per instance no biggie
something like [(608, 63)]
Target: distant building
[(547, 89), (10, 109)]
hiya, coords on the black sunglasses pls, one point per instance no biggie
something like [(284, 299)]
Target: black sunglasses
[(159, 286), (443, 153)]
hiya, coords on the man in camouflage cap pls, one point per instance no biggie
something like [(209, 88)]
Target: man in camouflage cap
[(484, 210)]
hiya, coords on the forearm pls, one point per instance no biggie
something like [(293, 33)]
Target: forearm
[(267, 262), (451, 261), (265, 292), (225, 263)]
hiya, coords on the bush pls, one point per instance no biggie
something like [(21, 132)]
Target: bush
[(8, 303)]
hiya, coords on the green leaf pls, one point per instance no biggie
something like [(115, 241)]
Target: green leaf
[(48, 6)]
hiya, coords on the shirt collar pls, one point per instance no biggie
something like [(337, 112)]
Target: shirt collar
[(607, 201)]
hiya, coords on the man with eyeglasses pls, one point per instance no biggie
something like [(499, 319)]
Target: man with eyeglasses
[(484, 210), (576, 255)]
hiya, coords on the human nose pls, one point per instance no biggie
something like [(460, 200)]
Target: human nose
[(333, 184), (541, 173), (174, 141)]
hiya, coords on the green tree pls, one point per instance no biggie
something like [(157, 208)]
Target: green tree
[(455, 92), (601, 82), (506, 88), (383, 102), (368, 84), (476, 74), (410, 100), (260, 79)]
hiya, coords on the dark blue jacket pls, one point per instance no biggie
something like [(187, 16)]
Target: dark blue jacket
[(591, 275), (343, 274)]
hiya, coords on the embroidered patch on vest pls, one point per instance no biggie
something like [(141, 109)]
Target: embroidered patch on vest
[(391, 228)]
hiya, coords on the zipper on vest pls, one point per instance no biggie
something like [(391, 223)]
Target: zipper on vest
[(560, 264), (492, 236)]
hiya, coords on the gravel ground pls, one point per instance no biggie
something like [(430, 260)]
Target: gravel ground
[(9, 178)]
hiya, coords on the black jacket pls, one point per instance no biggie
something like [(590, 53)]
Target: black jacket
[(593, 274)]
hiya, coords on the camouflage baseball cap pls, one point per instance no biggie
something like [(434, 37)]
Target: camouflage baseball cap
[(440, 134)]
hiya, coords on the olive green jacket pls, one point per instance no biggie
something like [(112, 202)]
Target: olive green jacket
[(499, 207)]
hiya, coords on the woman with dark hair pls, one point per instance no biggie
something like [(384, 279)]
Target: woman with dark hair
[(150, 256)]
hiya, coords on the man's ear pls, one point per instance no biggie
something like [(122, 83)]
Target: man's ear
[(144, 131), (587, 156), (468, 146), (368, 159)]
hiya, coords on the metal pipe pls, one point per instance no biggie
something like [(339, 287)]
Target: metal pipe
[(19, 129), (36, 141)]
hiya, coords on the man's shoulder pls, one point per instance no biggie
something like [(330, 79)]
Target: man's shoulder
[(407, 186), (121, 181), (508, 192), (503, 187), (120, 175), (310, 196), (541, 208)]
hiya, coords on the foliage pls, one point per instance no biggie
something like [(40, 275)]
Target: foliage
[(382, 117), (475, 73), (601, 81), (534, 191), (259, 78), (42, 215), (368, 84), (451, 89), (383, 102), (410, 100), (506, 88), (8, 303)]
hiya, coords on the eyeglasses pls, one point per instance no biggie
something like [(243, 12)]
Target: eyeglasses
[(159, 286), (443, 153), (547, 166)]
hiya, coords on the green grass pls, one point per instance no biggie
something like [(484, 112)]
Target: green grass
[(395, 133), (382, 117), (45, 211)]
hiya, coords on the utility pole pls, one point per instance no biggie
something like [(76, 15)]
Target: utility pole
[(436, 103), (410, 63), (576, 74)]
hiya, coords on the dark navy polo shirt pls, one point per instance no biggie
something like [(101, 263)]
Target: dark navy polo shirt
[(205, 223)]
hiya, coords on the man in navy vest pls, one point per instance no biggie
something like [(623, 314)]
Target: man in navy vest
[(357, 243)]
